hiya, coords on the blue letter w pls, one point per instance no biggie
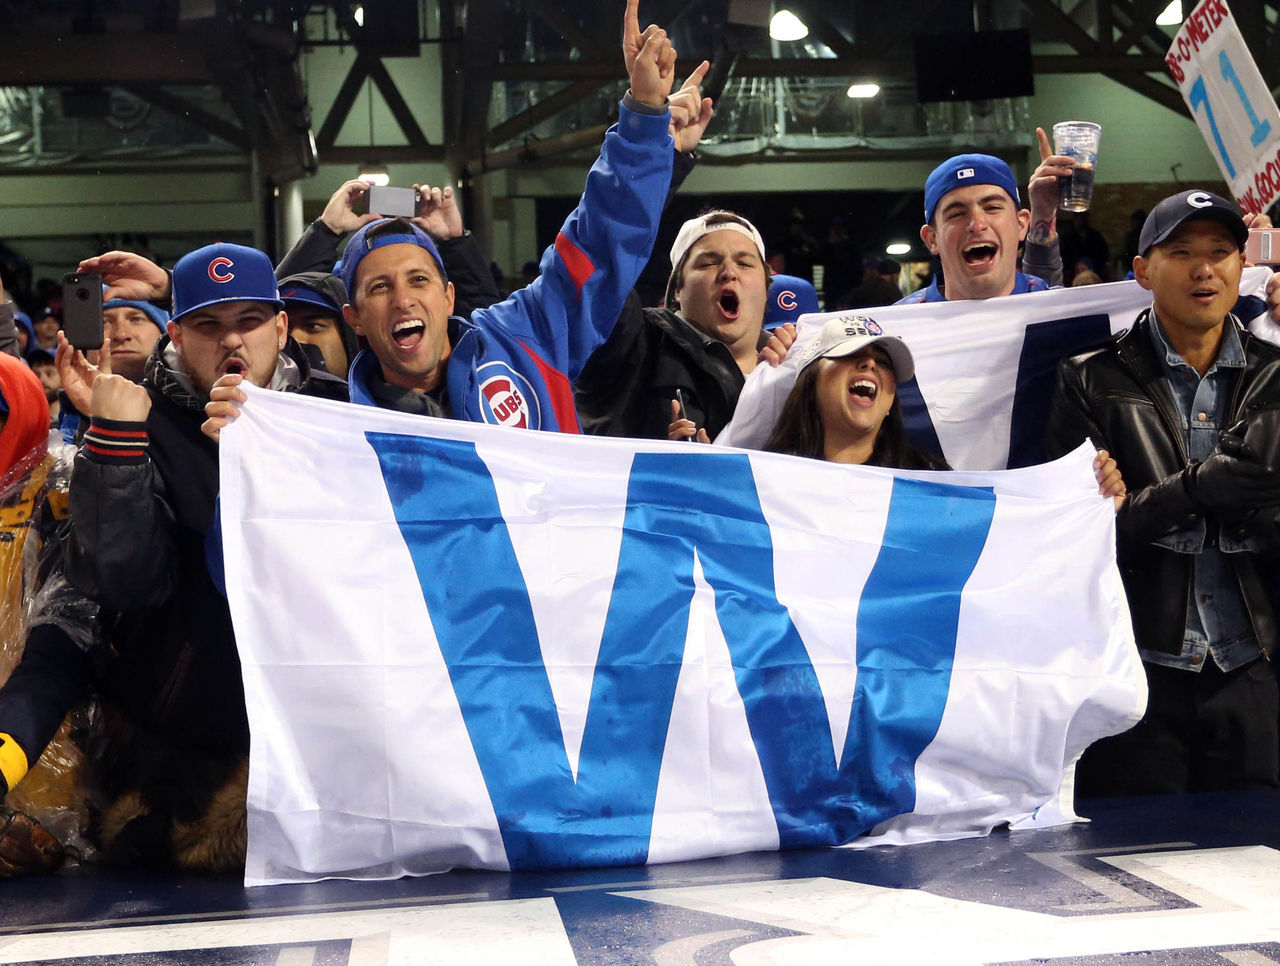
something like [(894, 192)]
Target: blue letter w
[(447, 509)]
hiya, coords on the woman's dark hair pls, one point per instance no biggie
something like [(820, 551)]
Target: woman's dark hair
[(798, 431)]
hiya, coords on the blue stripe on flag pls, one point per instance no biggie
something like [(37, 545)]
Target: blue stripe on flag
[(907, 623), (677, 503), (708, 501), (1043, 345)]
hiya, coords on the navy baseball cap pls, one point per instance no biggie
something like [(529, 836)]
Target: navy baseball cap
[(789, 298), (222, 273), (1166, 217), (964, 170), (399, 232), (314, 288)]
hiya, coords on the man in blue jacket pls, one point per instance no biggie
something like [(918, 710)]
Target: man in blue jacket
[(513, 364)]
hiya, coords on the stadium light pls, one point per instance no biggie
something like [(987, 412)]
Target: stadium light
[(1172, 15), (785, 25)]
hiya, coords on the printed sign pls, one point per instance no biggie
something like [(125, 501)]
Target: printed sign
[(1230, 102)]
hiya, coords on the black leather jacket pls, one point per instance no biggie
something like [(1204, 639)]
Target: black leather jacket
[(1118, 397)]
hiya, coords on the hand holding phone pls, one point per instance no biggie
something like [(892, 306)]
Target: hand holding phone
[(679, 416), (82, 310), (393, 202)]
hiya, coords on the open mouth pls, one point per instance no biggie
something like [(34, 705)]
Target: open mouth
[(234, 366), (979, 254), (1204, 294), (729, 304), (408, 333), (864, 391)]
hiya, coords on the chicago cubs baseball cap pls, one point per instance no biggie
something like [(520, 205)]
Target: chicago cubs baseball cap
[(705, 224), (1184, 206), (964, 170), (222, 273), (377, 234), (845, 335), (789, 298)]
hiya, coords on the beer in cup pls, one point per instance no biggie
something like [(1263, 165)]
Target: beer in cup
[(1077, 140)]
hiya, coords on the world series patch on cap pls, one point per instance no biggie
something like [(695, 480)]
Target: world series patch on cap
[(847, 334), (222, 273)]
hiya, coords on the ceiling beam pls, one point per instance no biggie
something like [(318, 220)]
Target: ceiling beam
[(1053, 22), (180, 107), (395, 103), (384, 153), (544, 109), (64, 59), (342, 103), (1141, 19), (859, 66)]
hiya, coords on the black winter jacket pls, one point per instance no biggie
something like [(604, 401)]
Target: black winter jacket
[(1118, 397), (627, 385), (136, 544)]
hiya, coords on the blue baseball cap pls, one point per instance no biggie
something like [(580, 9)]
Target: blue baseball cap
[(789, 298), (156, 314), (964, 170), (222, 273), (361, 244)]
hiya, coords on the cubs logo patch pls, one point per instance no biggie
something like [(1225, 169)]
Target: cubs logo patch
[(220, 270), (787, 300), (873, 327), (507, 398)]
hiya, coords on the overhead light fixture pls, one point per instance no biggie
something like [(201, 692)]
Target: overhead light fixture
[(358, 16), (1172, 16), (785, 25), (898, 248), (375, 174), (863, 90)]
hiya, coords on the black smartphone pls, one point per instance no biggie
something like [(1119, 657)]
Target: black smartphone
[(82, 310), (394, 202)]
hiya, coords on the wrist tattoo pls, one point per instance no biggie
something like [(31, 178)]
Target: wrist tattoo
[(1042, 232)]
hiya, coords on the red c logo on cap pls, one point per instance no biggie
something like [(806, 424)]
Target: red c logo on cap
[(787, 300), (218, 270)]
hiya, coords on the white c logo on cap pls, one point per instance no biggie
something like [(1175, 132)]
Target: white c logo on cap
[(1199, 199)]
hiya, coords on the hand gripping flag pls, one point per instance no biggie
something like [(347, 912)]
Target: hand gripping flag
[(489, 647)]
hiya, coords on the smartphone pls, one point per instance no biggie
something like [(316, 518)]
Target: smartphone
[(1263, 246), (82, 310), (393, 202), (683, 414)]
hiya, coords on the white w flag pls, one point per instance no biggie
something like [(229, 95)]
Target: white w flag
[(468, 645), (985, 370)]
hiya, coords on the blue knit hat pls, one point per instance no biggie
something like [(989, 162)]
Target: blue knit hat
[(156, 314), (964, 170), (361, 245), (222, 273)]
